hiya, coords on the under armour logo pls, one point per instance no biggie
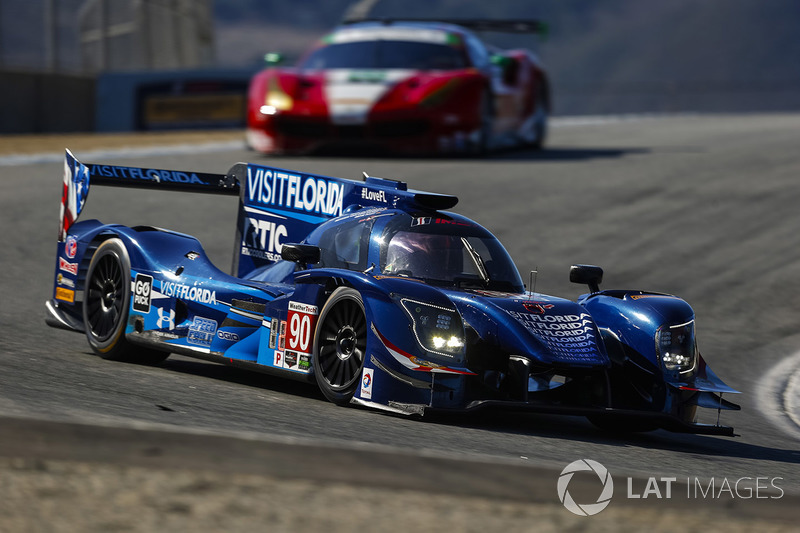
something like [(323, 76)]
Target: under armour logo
[(166, 318)]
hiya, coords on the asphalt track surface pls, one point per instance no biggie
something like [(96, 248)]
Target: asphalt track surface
[(703, 207)]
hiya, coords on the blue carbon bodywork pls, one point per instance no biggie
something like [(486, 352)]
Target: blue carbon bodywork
[(600, 356)]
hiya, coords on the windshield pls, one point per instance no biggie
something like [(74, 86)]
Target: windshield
[(382, 54), (447, 252)]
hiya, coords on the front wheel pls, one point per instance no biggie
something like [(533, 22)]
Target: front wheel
[(340, 345), (105, 306), (537, 133)]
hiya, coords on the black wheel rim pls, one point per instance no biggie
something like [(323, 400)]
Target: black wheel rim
[(342, 346), (105, 297)]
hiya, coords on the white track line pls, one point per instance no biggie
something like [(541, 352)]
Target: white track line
[(144, 151), (778, 395)]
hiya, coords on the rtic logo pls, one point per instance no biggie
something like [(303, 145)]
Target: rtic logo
[(142, 289), (586, 509), (267, 235)]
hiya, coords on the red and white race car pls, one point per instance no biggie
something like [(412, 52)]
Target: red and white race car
[(405, 87)]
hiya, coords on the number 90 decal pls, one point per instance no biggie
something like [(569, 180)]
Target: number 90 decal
[(302, 320)]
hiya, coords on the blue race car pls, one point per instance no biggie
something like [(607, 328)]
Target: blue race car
[(378, 295)]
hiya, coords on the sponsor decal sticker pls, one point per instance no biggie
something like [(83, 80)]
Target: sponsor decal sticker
[(166, 319), (366, 383), (374, 196), (65, 281), (302, 320), (273, 333), (278, 362), (71, 246), (66, 295), (302, 193), (202, 331), (142, 290), (151, 174), (290, 360), (263, 239), (228, 336), (66, 266), (189, 292), (536, 308), (571, 337)]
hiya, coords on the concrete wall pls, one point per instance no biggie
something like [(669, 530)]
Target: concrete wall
[(33, 102), (178, 99)]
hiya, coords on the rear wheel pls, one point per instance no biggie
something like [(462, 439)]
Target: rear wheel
[(340, 345), (105, 306)]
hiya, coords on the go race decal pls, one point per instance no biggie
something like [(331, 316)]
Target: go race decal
[(142, 290)]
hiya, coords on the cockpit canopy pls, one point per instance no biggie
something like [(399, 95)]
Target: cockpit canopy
[(446, 251), (443, 250)]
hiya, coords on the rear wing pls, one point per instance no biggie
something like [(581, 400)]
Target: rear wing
[(479, 25), (276, 206), (79, 176)]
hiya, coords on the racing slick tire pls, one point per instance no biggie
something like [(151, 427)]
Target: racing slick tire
[(106, 302), (540, 122), (340, 345)]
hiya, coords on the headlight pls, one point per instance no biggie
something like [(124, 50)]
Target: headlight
[(276, 99), (438, 329), (676, 346)]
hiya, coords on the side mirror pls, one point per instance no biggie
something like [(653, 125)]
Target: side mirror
[(300, 253), (273, 58), (587, 275)]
